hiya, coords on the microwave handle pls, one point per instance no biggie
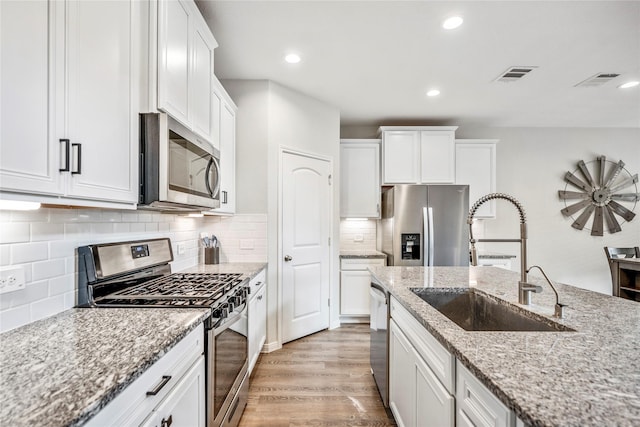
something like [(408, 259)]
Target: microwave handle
[(212, 162)]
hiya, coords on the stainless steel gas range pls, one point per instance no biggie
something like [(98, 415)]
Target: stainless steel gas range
[(138, 274)]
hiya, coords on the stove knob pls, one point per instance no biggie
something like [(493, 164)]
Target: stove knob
[(230, 304), (221, 312)]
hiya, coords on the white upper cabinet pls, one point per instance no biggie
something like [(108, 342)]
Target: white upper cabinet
[(29, 158), (360, 178), (476, 167), (70, 89), (226, 136), (185, 66), (437, 157), (400, 157), (418, 155)]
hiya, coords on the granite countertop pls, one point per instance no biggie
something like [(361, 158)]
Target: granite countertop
[(590, 377), (494, 255), (62, 370), (247, 269), (362, 254)]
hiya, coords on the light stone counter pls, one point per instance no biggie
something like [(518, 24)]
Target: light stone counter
[(62, 370), (586, 378), (362, 254)]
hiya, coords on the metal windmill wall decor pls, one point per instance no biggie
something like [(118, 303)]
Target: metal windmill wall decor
[(606, 190)]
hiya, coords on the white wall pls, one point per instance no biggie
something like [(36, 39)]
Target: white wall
[(531, 165), (294, 121)]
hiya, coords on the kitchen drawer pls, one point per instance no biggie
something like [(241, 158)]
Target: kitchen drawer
[(133, 405), (257, 283), (360, 263), (477, 406), (438, 358)]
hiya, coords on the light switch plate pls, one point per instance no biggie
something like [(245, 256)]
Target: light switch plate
[(246, 244), (11, 279), (181, 248), (358, 238)]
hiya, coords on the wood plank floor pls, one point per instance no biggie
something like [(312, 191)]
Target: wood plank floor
[(320, 380)]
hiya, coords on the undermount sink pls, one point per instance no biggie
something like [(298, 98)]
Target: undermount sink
[(473, 311)]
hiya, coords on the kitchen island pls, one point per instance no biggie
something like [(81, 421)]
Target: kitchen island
[(588, 377)]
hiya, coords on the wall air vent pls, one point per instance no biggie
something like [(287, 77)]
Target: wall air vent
[(514, 74), (597, 80)]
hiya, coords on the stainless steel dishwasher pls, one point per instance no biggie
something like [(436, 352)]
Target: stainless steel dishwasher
[(379, 351)]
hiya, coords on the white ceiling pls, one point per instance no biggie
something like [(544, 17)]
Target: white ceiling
[(375, 60)]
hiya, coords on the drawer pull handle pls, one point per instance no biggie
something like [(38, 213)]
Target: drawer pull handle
[(167, 422), (156, 390)]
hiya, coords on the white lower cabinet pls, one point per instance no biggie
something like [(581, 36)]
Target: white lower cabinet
[(172, 388), (429, 387), (257, 313), (185, 404), (477, 406), (355, 281), (417, 397)]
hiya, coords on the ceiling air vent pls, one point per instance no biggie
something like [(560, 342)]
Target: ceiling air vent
[(597, 80), (514, 73)]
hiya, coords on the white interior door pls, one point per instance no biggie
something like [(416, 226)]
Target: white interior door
[(306, 210)]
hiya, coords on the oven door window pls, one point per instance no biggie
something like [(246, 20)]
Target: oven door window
[(192, 170), (230, 358)]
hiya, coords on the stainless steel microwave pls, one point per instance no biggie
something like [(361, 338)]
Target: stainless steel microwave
[(179, 171)]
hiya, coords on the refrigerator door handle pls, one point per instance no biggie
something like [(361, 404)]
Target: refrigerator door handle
[(432, 248), (427, 217)]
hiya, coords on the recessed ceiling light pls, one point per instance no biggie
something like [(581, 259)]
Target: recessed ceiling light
[(451, 23), (433, 92), (627, 85), (292, 58)]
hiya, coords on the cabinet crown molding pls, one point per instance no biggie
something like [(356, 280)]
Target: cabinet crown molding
[(415, 128)]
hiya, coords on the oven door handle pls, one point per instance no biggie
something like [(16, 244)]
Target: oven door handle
[(224, 324)]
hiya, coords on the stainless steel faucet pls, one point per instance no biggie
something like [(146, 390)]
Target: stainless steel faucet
[(524, 288), (558, 308)]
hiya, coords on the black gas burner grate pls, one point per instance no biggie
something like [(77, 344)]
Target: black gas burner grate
[(179, 289)]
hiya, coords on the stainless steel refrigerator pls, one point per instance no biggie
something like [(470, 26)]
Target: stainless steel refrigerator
[(424, 225)]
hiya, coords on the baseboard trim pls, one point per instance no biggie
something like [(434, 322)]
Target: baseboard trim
[(272, 346)]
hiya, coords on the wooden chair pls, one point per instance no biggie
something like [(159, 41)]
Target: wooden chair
[(616, 253)]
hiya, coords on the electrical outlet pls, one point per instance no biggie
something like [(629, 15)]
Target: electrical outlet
[(358, 238), (11, 279), (181, 248)]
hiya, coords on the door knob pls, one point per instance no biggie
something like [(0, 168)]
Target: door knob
[(287, 258)]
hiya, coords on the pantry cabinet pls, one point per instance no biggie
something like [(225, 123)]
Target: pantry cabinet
[(185, 66), (225, 120), (70, 91), (476, 167), (360, 178), (418, 154)]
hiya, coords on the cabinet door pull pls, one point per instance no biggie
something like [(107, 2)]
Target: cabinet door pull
[(167, 422), (78, 159), (259, 297), (66, 155), (224, 197), (163, 382)]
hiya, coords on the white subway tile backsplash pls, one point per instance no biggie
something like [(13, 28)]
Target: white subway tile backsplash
[(44, 231), (14, 317), (5, 255), (48, 269), (47, 307), (14, 233), (62, 285), (45, 243), (29, 252)]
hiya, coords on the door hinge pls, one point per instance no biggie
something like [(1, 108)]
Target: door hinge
[(329, 302), (329, 241), (329, 179)]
